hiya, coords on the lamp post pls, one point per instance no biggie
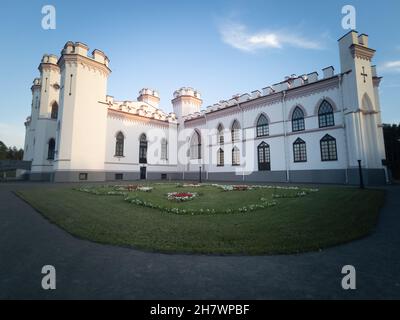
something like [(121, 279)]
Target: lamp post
[(199, 174), (360, 174)]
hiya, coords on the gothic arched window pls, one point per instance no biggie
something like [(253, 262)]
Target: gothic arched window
[(220, 158), (164, 149), (299, 150), (54, 111), (195, 146), (143, 148), (325, 115), (264, 157), (328, 148), (235, 156), (119, 145), (262, 126), (235, 131), (298, 120), (220, 134), (51, 150)]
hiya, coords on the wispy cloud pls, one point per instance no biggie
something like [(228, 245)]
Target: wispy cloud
[(393, 66), (238, 36)]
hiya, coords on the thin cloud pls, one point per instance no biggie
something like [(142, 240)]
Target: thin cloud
[(238, 36), (393, 66)]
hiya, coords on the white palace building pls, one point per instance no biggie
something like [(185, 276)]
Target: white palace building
[(307, 128)]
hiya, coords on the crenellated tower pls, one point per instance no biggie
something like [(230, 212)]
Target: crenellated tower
[(50, 85), (361, 101), (149, 96), (186, 101), (83, 118)]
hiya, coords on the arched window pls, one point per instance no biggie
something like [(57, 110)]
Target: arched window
[(143, 148), (262, 126), (195, 146), (119, 145), (264, 157), (220, 158), (235, 131), (325, 115), (328, 148), (164, 149), (52, 149), (54, 111), (299, 151), (235, 156), (220, 134), (298, 120)]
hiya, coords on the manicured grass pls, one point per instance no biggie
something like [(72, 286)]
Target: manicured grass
[(325, 218)]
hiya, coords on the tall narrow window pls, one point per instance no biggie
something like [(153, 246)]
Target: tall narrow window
[(235, 131), (264, 157), (54, 111), (195, 146), (262, 126), (143, 149), (119, 145), (220, 157), (299, 151), (325, 115), (220, 134), (164, 149), (328, 148), (235, 156), (298, 120), (52, 149), (70, 85)]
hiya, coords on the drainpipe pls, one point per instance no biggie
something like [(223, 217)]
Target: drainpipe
[(242, 125), (208, 165), (345, 130), (285, 136)]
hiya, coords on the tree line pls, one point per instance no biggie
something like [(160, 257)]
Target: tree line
[(10, 153), (391, 133)]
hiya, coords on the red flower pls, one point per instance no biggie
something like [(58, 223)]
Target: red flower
[(182, 195)]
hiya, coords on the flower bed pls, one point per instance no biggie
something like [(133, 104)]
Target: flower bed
[(264, 203), (181, 196), (145, 189), (228, 187), (163, 198), (192, 185)]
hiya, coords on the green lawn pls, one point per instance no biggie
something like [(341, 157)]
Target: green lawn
[(320, 219)]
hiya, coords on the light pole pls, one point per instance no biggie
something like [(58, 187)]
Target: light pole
[(199, 174), (360, 174)]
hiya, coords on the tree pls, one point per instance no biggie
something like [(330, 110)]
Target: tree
[(10, 153), (3, 151), (391, 135)]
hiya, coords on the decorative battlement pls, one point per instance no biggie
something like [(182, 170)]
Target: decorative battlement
[(150, 92), (354, 46), (186, 101), (81, 49), (49, 58), (149, 96), (290, 82), (187, 92), (36, 83), (49, 62), (28, 121), (140, 109)]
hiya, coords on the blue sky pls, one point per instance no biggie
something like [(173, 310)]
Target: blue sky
[(219, 47)]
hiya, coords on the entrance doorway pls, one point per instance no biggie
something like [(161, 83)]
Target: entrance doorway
[(142, 173)]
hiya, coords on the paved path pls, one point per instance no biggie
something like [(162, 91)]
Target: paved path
[(87, 270)]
